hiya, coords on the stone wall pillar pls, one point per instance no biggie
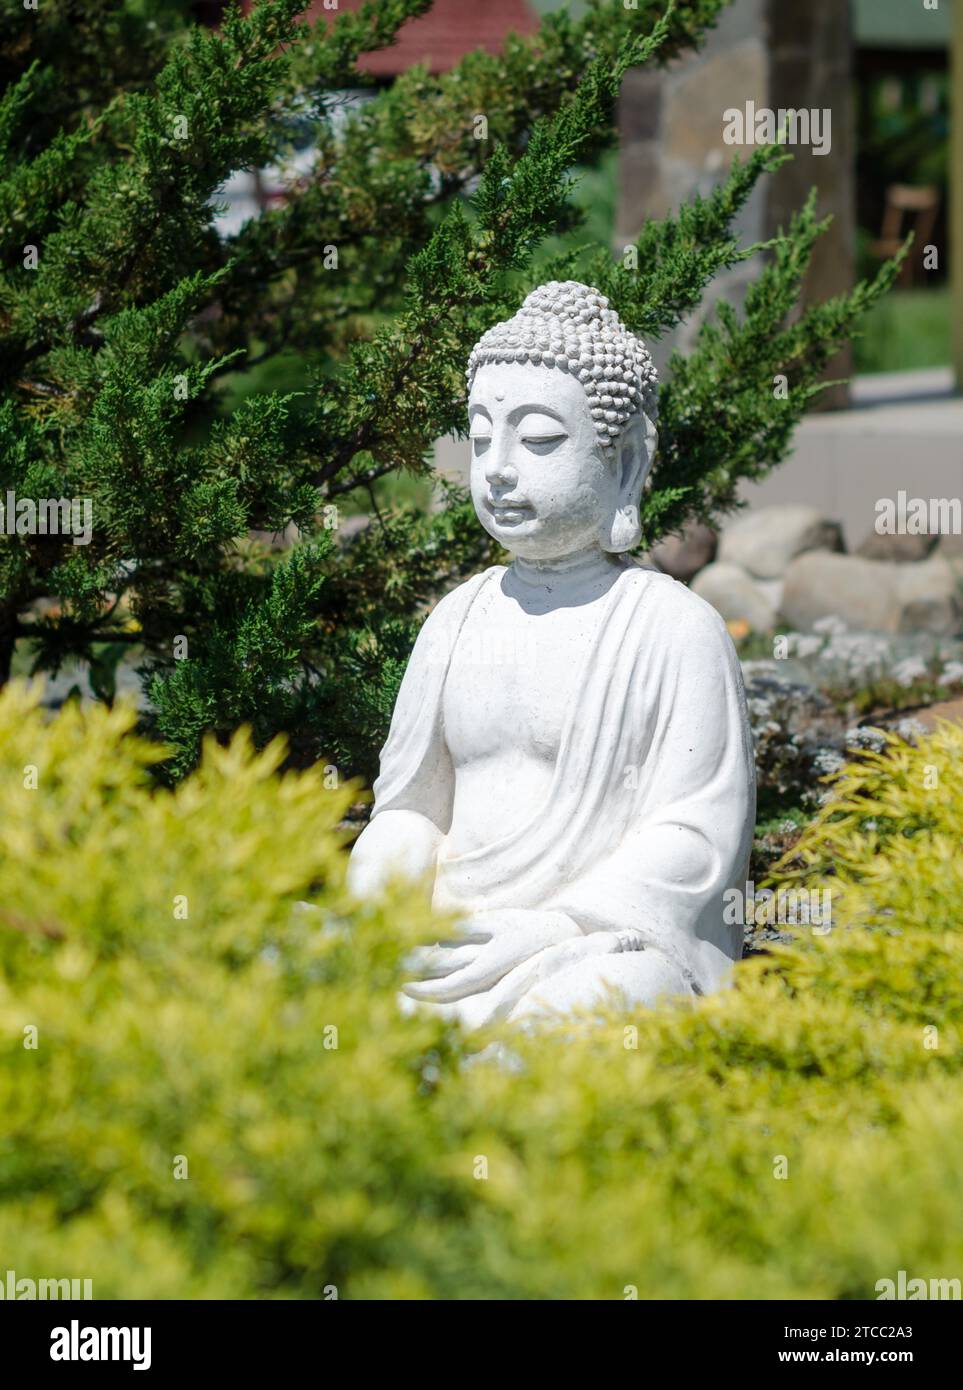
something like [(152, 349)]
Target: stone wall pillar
[(775, 55), (811, 68)]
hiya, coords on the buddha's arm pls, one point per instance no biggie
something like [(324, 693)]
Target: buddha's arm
[(394, 844), (415, 790)]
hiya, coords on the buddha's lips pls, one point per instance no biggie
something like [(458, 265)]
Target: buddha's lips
[(505, 511)]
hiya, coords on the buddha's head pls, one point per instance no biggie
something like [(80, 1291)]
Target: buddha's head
[(562, 406)]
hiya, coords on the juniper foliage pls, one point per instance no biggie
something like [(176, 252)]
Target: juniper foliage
[(202, 388), (333, 1141)]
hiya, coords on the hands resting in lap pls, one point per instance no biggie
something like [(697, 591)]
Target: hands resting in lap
[(496, 956)]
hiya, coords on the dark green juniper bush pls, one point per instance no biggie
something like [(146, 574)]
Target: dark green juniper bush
[(139, 346)]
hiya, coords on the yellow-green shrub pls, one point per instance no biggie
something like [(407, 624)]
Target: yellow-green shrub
[(363, 1166)]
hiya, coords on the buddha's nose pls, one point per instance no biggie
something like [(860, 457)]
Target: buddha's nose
[(499, 469)]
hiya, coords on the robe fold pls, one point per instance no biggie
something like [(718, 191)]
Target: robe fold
[(649, 817)]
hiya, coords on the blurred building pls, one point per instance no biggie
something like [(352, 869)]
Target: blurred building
[(438, 39), (901, 70), (442, 37)]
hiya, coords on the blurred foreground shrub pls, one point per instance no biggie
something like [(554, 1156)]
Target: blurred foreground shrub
[(187, 1019)]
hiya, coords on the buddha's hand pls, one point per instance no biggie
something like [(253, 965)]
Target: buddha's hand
[(487, 946)]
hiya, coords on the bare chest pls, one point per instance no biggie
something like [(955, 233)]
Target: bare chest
[(513, 679)]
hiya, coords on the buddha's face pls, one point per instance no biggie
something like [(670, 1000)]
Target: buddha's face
[(541, 482)]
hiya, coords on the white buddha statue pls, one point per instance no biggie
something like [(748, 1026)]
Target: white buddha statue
[(569, 764)]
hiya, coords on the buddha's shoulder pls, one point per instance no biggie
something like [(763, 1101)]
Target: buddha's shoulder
[(456, 603), (675, 603), (675, 606)]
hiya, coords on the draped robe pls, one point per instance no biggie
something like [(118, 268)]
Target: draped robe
[(649, 816)]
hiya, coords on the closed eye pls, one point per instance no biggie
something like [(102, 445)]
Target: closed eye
[(480, 442), (542, 443)]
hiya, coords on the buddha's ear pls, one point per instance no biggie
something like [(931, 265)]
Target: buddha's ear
[(634, 454)]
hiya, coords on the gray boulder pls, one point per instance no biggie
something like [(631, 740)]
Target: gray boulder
[(683, 556), (901, 550), (766, 541), (871, 595), (860, 592), (955, 563), (734, 595), (772, 589), (929, 597), (950, 545)]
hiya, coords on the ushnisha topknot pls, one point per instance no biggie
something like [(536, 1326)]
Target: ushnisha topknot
[(569, 325)]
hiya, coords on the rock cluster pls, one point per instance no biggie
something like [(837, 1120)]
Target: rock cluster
[(788, 565)]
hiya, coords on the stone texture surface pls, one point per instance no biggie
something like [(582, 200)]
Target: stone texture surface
[(683, 556), (955, 563), (702, 91), (928, 597), (772, 588), (872, 595), (520, 736), (860, 592), (641, 99), (671, 146), (734, 595), (902, 550), (811, 67), (777, 55), (765, 542), (950, 546)]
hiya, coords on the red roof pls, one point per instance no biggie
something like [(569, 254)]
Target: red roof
[(443, 36)]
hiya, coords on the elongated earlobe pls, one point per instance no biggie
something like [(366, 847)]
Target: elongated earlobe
[(623, 529)]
